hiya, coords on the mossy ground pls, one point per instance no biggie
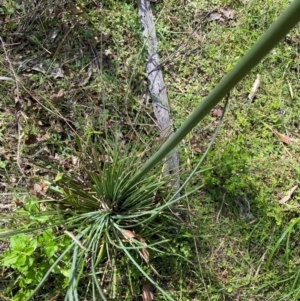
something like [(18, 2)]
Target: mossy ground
[(236, 220)]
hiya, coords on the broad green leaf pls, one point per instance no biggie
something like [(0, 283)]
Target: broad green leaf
[(18, 242), (50, 248), (32, 245), (9, 259), (21, 260)]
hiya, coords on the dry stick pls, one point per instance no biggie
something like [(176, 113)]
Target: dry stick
[(158, 91), (16, 100)]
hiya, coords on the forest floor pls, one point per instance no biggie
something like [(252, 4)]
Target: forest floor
[(69, 69)]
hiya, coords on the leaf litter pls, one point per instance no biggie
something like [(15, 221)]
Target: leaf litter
[(288, 195), (147, 294)]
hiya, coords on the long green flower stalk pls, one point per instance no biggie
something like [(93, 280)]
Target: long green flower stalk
[(277, 31)]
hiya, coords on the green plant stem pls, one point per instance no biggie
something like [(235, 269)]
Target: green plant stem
[(277, 31)]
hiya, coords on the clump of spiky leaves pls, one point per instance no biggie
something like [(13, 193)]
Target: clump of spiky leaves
[(108, 216), (110, 223)]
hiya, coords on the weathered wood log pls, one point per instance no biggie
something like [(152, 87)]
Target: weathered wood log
[(157, 88)]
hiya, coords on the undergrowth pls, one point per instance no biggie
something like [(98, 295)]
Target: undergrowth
[(80, 74)]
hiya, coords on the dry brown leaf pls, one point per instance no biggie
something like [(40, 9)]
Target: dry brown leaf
[(57, 126), (147, 295), (19, 202), (197, 149), (44, 137), (216, 112), (289, 195), (37, 188), (127, 234), (58, 95), (40, 189), (228, 12), (283, 138), (44, 187), (31, 139), (145, 252), (255, 88), (145, 255)]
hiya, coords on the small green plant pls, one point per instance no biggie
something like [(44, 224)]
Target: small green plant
[(229, 170), (9, 7), (30, 256)]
